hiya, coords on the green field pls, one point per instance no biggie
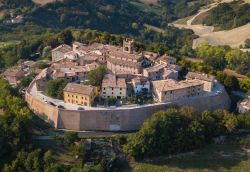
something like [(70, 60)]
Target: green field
[(229, 157), (147, 7), (5, 44)]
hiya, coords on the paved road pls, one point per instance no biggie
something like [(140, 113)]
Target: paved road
[(38, 94)]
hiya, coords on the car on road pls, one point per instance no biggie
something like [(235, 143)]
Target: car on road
[(80, 108), (51, 103), (61, 107)]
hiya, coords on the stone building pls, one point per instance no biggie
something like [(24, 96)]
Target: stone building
[(160, 72), (113, 87), (13, 76), (165, 59), (171, 90), (140, 84), (72, 72), (209, 80), (244, 105), (59, 52), (79, 94), (124, 60)]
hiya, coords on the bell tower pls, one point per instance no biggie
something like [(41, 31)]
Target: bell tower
[(128, 46)]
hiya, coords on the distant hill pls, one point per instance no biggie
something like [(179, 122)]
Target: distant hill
[(226, 16)]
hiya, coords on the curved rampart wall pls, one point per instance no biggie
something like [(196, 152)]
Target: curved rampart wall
[(115, 119), (119, 119), (43, 110)]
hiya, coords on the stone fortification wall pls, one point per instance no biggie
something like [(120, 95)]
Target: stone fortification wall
[(118, 119), (115, 119), (45, 111), (212, 102), (107, 120)]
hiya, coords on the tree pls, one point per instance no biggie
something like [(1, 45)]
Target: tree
[(233, 58), (247, 43), (164, 133), (231, 82), (25, 81), (54, 88), (95, 77), (65, 37)]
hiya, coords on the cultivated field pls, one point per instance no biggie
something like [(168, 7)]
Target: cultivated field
[(43, 2), (228, 157), (233, 38), (155, 2)]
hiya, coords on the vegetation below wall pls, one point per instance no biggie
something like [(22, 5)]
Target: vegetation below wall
[(174, 131)]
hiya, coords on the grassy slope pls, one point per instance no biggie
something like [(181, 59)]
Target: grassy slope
[(228, 157), (147, 7)]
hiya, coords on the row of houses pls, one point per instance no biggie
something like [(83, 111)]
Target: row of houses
[(168, 90), (129, 72), (15, 74)]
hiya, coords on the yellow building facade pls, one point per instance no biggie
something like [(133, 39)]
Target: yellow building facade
[(80, 94)]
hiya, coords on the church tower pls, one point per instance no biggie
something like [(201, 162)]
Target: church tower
[(128, 46)]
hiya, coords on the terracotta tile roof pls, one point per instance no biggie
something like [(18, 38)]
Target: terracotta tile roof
[(79, 88), (200, 76), (166, 58), (150, 55), (63, 48), (111, 80), (140, 80), (156, 68), (13, 72), (169, 84), (124, 63)]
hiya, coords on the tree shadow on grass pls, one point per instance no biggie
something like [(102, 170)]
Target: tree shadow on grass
[(211, 158)]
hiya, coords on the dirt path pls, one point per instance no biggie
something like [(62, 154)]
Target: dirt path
[(233, 38)]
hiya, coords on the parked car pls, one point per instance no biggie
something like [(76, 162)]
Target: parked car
[(53, 104), (80, 108), (61, 107)]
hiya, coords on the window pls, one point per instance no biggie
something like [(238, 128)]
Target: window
[(104, 88), (120, 92), (76, 96), (85, 98), (104, 93), (120, 88), (112, 92), (72, 95), (171, 92), (85, 104), (82, 97), (112, 88)]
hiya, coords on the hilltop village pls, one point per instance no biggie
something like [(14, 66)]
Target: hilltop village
[(128, 73)]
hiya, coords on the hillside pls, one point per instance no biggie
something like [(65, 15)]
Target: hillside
[(225, 16), (234, 37)]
